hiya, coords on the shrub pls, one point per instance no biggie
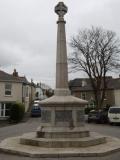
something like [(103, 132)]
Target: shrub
[(17, 111)]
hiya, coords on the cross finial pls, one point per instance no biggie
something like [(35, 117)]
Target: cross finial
[(61, 9)]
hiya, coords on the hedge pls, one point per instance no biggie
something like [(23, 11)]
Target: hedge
[(17, 111)]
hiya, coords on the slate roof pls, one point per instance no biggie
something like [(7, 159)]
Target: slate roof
[(9, 77), (76, 84)]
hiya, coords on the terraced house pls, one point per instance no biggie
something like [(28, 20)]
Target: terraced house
[(81, 87), (14, 88)]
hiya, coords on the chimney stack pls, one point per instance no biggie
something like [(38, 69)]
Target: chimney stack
[(15, 73)]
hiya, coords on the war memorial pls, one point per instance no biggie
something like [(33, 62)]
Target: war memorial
[(62, 131)]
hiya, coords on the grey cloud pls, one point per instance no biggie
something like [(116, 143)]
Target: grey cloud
[(8, 55)]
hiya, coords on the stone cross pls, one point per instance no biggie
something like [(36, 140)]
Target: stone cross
[(61, 9)]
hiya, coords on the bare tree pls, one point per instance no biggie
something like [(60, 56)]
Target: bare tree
[(96, 52)]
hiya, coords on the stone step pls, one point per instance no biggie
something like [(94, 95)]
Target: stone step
[(62, 132), (30, 139), (12, 146)]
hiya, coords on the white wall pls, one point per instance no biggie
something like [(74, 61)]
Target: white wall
[(16, 95), (16, 92), (117, 97)]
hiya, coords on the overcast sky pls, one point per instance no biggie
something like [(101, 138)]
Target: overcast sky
[(28, 32)]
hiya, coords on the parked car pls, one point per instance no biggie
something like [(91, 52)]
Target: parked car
[(36, 110), (98, 116), (114, 114)]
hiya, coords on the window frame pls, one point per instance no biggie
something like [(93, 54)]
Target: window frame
[(27, 92), (4, 110), (8, 89), (83, 95)]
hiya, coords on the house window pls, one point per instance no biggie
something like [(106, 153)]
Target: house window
[(8, 89), (4, 110), (27, 92), (92, 103), (83, 95)]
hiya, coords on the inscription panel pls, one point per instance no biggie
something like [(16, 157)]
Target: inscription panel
[(46, 116), (63, 116), (80, 116)]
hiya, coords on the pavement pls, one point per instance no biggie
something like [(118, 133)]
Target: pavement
[(4, 123), (33, 123)]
